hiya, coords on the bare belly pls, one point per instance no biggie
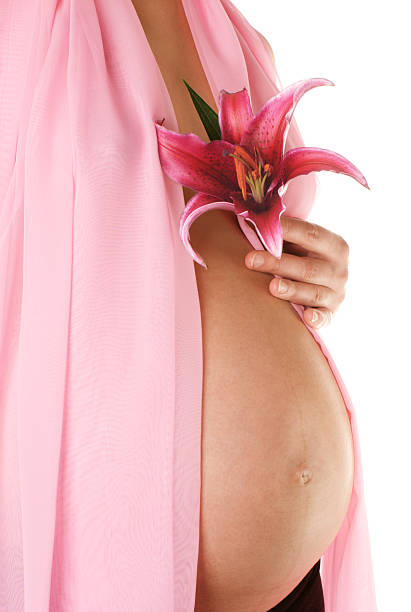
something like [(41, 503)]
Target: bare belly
[(277, 454)]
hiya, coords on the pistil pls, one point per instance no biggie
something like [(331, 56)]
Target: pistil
[(253, 177)]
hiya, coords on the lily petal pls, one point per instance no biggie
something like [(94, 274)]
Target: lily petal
[(304, 160), (267, 223), (249, 233), (234, 115), (269, 128), (204, 167), (196, 206)]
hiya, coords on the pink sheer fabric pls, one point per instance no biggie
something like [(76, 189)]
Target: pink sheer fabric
[(100, 327)]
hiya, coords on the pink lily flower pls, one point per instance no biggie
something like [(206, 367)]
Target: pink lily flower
[(246, 171)]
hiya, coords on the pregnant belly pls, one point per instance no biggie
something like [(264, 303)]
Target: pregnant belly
[(277, 454)]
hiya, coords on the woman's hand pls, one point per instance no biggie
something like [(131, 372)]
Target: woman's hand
[(314, 263)]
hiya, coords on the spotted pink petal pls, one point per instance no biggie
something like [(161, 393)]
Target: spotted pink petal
[(267, 223), (201, 166), (196, 206), (234, 114), (304, 160), (268, 129)]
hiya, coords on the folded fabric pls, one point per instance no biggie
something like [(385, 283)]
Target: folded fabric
[(100, 346)]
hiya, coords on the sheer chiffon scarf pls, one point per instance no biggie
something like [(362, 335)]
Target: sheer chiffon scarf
[(100, 326)]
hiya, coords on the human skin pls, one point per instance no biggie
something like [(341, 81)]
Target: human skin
[(314, 262), (265, 374)]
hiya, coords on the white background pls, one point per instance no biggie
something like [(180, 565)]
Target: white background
[(361, 45)]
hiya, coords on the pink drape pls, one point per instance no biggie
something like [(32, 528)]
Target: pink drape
[(100, 327)]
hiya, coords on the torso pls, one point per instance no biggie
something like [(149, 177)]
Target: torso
[(277, 454)]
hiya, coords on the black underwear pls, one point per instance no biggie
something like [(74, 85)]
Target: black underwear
[(307, 596)]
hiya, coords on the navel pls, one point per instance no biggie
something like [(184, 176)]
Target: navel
[(304, 476)]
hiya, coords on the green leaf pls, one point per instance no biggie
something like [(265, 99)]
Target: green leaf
[(207, 115)]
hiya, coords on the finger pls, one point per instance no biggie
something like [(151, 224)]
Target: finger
[(318, 317), (314, 238), (306, 294), (305, 269), (294, 249)]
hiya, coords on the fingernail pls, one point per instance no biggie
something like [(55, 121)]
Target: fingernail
[(282, 286), (316, 316), (257, 261)]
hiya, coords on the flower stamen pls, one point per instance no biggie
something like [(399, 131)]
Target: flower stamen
[(253, 177)]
